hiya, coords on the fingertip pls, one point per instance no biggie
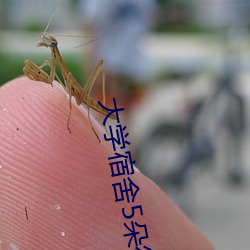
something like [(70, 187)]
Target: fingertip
[(56, 187), (44, 167)]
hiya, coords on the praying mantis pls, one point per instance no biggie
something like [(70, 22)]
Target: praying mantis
[(71, 86)]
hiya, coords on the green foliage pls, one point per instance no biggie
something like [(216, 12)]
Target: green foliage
[(34, 26), (11, 67)]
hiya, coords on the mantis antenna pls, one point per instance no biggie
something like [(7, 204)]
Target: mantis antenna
[(53, 14)]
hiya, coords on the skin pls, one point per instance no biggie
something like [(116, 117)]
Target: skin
[(64, 181)]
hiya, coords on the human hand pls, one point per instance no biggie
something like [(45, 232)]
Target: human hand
[(56, 188)]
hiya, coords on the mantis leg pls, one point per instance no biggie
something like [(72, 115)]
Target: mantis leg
[(88, 88), (68, 82), (35, 72)]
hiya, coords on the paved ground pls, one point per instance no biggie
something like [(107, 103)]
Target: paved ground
[(222, 213)]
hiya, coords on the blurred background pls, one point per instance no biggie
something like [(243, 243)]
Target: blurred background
[(181, 70)]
